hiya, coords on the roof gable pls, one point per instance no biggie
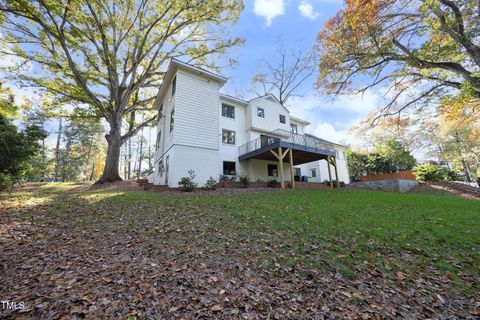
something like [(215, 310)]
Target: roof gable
[(270, 97)]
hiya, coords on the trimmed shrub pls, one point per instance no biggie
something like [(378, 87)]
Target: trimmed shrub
[(244, 181), (273, 183), (227, 178), (430, 172), (186, 183), (211, 184)]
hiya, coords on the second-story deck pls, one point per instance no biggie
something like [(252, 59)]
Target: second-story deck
[(305, 148)]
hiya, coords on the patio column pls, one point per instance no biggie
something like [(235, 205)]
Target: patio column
[(336, 171), (329, 172), (290, 154), (280, 169)]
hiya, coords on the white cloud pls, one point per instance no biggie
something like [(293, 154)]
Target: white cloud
[(351, 109), (307, 10), (269, 9)]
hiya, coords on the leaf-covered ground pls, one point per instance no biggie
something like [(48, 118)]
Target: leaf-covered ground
[(69, 253)]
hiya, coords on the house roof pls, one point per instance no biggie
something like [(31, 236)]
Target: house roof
[(233, 99), (173, 66), (295, 119), (272, 97)]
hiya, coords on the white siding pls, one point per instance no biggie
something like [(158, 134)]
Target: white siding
[(202, 161), (196, 111), (238, 124), (196, 140), (271, 121)]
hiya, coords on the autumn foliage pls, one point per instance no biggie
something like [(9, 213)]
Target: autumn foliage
[(416, 51)]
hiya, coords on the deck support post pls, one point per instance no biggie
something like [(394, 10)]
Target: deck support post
[(280, 155), (290, 155), (280, 169), (329, 172), (334, 159)]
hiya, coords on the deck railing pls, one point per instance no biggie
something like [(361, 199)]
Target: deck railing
[(279, 135)]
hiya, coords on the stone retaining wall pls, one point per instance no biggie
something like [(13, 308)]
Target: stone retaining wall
[(398, 185)]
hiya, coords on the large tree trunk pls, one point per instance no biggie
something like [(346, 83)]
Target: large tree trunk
[(57, 151), (129, 158), (114, 141), (468, 176), (140, 156)]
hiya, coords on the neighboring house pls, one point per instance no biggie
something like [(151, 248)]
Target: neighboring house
[(217, 135)]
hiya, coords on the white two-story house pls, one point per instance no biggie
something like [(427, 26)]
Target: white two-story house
[(217, 135)]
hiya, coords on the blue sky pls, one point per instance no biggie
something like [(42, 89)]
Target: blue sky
[(264, 23)]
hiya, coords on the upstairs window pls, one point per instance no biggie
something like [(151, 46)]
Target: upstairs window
[(174, 86), (172, 120), (229, 168), (159, 115), (294, 128), (283, 119), (228, 111), (228, 136), (159, 136), (260, 112), (272, 170)]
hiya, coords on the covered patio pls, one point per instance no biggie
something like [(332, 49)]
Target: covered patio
[(276, 145)]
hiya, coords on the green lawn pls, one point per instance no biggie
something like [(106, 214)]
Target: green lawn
[(352, 234)]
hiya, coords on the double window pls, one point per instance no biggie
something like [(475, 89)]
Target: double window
[(294, 128), (283, 119), (228, 136), (229, 168), (228, 111), (272, 170), (260, 112)]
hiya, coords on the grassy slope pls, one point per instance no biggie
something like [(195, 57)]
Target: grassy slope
[(348, 228), (351, 232)]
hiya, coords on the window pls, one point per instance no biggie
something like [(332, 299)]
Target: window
[(159, 136), (172, 120), (260, 112), (229, 168), (228, 136), (272, 170), (160, 113), (161, 168), (174, 86), (294, 128), (298, 172), (314, 173), (228, 111), (282, 119)]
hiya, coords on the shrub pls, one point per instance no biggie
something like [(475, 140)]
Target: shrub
[(430, 172), (186, 183), (224, 178), (6, 182), (334, 183), (211, 184), (258, 180), (273, 183), (244, 181)]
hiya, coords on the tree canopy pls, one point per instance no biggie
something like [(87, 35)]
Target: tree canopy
[(418, 51), (110, 56), (17, 147)]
